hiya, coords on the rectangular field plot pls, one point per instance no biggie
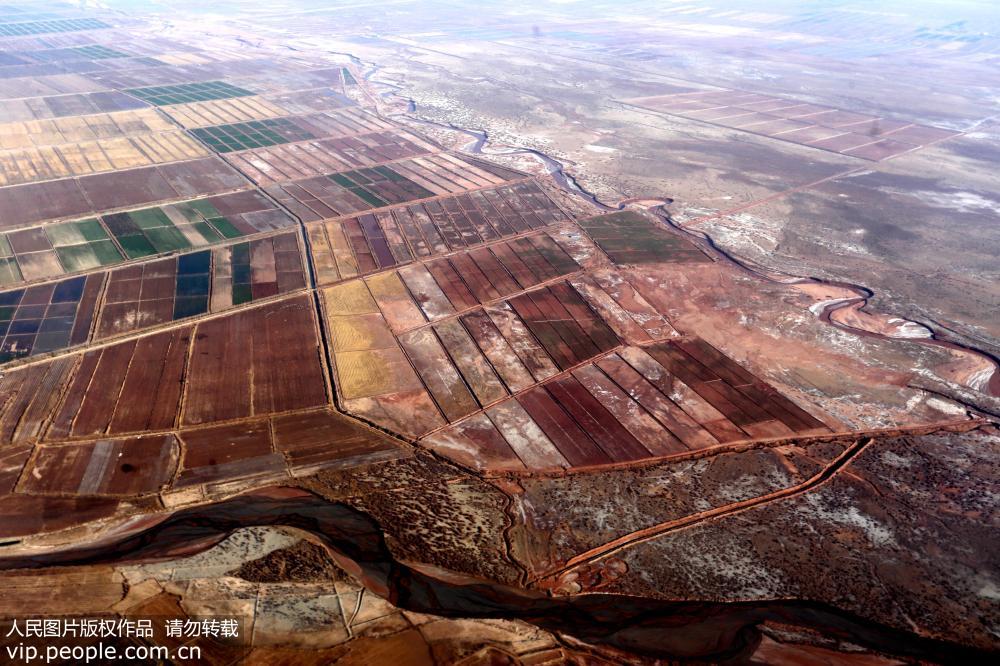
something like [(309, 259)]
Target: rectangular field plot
[(98, 52), (26, 165), (668, 399), (225, 111), (264, 447), (47, 317), (302, 160), (93, 127), (278, 82), (343, 122), (173, 227), (68, 247), (363, 189), (621, 307), (337, 127), (71, 53), (34, 86), (253, 134), (386, 355), (50, 26), (157, 292), (314, 100), (61, 248), (631, 238), (247, 272), (107, 467), (373, 376), (495, 272), (846, 132), (474, 361), (206, 367), (357, 246), (21, 205), (145, 295), (13, 110), (186, 93), (82, 245)]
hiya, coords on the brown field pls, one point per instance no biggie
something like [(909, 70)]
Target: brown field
[(855, 134), (78, 197), (150, 294), (57, 84), (223, 111), (641, 402), (346, 248), (81, 158), (294, 161), (40, 108), (164, 381)]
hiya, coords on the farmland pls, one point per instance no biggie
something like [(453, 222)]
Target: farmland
[(280, 340)]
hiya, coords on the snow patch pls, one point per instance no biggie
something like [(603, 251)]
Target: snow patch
[(599, 149)]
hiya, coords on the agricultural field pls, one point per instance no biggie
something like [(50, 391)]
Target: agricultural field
[(22, 205), (628, 238), (187, 93), (356, 246), (113, 238), (412, 338), (846, 132)]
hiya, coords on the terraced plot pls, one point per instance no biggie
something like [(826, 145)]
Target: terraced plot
[(188, 92), (47, 317), (630, 238)]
